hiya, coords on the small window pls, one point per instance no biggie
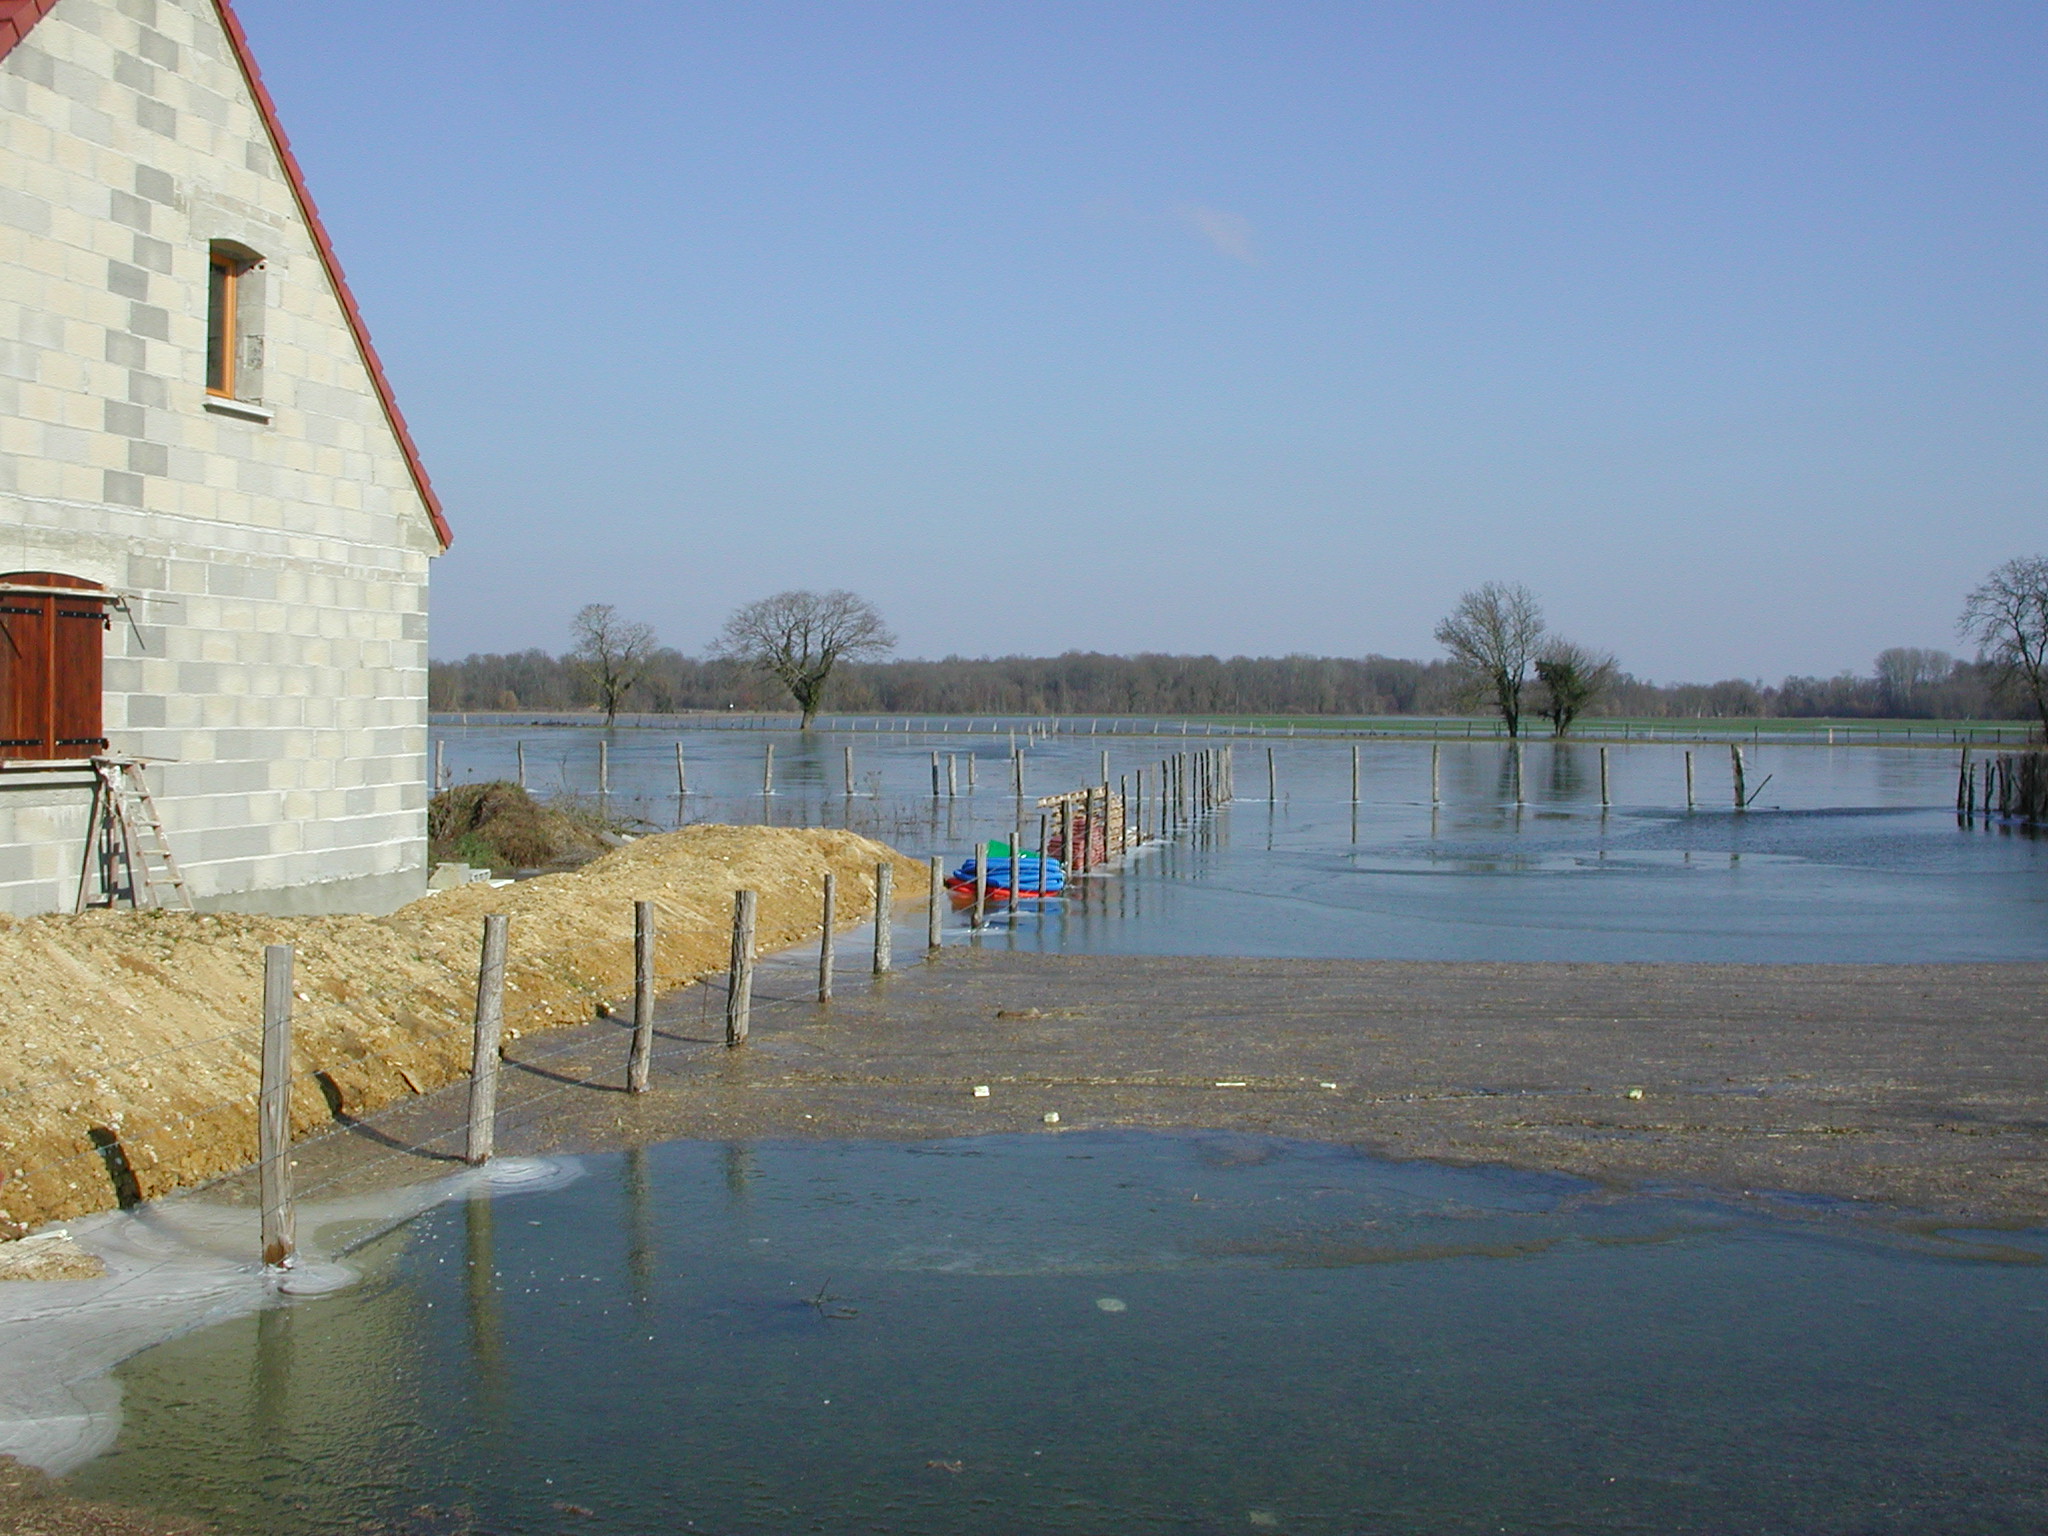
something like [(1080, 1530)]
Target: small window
[(222, 278), (52, 641), (234, 316)]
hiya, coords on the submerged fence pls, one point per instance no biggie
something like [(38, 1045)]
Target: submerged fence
[(2008, 786)]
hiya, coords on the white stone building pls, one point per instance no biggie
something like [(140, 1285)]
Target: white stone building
[(193, 420)]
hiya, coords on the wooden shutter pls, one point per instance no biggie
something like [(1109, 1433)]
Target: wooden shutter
[(51, 650)]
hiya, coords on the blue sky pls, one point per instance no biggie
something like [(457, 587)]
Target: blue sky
[(1245, 328)]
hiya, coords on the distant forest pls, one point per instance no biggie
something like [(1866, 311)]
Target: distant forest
[(1906, 683)]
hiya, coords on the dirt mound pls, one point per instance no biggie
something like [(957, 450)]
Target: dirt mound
[(128, 1060), (500, 826)]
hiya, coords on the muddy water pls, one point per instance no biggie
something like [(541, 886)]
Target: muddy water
[(1112, 1332), (1847, 853)]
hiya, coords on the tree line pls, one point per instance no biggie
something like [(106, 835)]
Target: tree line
[(1905, 683), (1501, 657)]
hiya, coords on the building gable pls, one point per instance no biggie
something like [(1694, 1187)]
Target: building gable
[(19, 17)]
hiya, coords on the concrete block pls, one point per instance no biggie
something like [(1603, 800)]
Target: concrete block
[(156, 117)]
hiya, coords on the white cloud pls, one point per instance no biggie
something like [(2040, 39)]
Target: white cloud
[(1230, 234)]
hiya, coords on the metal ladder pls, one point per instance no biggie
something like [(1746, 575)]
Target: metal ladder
[(125, 842)]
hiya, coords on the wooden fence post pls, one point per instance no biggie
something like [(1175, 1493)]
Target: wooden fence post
[(739, 974), (1354, 773), (643, 997), (934, 915), (1735, 763), (980, 883), (440, 765), (848, 749), (520, 748), (768, 770), (935, 777), (1436, 753), (1688, 779), (682, 781), (1604, 801), (827, 938), (1272, 778), (273, 1111), (483, 1055), (885, 894), (1520, 798)]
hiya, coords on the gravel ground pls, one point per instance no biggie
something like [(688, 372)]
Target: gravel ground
[(1922, 1087)]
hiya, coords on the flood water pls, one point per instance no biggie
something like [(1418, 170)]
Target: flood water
[(1845, 854), (1112, 1332), (1091, 1332)]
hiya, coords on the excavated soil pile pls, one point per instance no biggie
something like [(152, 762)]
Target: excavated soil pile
[(128, 1060)]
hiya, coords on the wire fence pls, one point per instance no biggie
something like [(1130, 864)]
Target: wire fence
[(138, 1142)]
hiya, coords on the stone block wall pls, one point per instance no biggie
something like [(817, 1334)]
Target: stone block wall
[(275, 548)]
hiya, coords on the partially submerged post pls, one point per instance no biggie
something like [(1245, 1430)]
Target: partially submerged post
[(1735, 763), (643, 997), (934, 912), (980, 883), (935, 777), (848, 751), (1354, 773), (1436, 756), (440, 765), (739, 975), (604, 766), (952, 775), (490, 1028), (1688, 779), (1604, 801), (885, 892), (768, 770), (273, 1111), (826, 937), (1272, 778), (520, 748), (682, 779), (1520, 799)]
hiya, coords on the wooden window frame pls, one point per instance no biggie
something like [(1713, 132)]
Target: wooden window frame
[(222, 341)]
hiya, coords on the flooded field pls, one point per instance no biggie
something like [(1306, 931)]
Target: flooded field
[(1111, 1332), (1177, 1330), (1846, 854)]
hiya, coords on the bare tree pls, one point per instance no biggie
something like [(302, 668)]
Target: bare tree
[(611, 653), (799, 637), (1492, 636), (1572, 677), (1906, 672), (2008, 618)]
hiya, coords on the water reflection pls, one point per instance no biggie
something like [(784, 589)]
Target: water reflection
[(1448, 851), (1072, 1333)]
